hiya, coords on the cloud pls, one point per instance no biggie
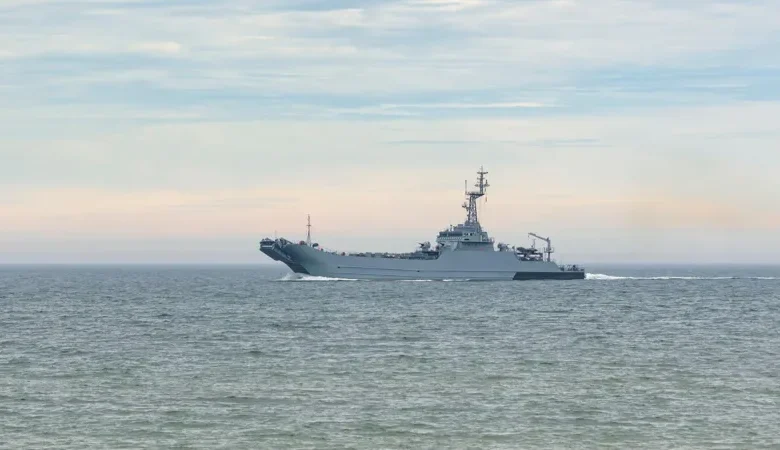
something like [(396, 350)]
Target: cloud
[(157, 47), (87, 112), (498, 105), (352, 58), (205, 106), (649, 153), (515, 36)]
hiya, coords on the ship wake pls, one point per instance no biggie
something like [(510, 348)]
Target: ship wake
[(603, 277), (301, 277)]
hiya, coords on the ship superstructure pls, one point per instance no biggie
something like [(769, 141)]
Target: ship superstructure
[(464, 251)]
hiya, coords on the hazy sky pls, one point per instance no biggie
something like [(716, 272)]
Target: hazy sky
[(185, 131)]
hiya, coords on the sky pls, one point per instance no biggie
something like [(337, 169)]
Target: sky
[(185, 131)]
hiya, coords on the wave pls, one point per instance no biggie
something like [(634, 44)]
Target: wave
[(301, 277), (601, 276)]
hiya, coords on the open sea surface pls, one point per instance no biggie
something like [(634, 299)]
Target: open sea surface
[(248, 357)]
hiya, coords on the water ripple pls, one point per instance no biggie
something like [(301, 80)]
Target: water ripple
[(230, 357)]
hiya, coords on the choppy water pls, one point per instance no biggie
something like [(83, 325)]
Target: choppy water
[(231, 357)]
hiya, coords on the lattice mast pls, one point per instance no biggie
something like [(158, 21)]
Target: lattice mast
[(308, 230), (471, 204)]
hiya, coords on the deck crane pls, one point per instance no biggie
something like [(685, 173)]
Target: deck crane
[(547, 250)]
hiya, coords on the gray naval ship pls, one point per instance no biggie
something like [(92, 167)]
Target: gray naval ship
[(462, 252)]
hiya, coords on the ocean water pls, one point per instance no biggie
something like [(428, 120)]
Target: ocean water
[(247, 357)]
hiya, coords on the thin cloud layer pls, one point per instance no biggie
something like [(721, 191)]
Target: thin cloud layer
[(497, 50), (645, 115)]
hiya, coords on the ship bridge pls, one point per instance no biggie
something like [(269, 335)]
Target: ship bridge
[(465, 237)]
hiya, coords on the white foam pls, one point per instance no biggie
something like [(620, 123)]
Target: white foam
[(588, 276), (601, 276), (301, 277)]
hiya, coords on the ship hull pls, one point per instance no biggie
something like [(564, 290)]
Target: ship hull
[(450, 265)]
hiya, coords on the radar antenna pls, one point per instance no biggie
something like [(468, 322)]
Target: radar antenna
[(471, 205), (308, 230), (547, 250)]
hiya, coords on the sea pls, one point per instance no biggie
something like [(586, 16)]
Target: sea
[(137, 357)]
